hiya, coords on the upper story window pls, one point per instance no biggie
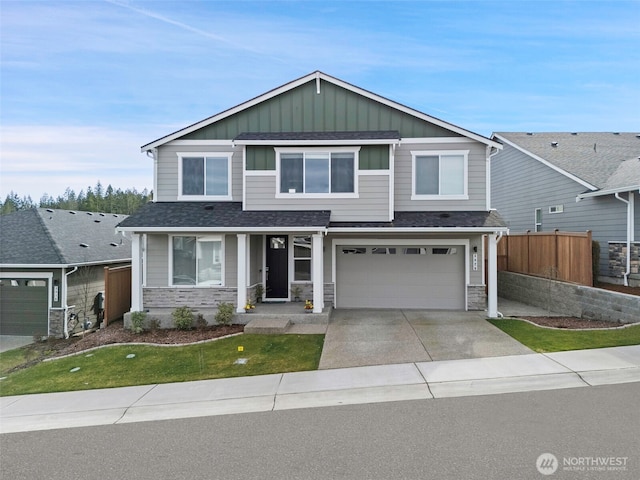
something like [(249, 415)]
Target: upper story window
[(205, 175), (316, 172), (440, 175)]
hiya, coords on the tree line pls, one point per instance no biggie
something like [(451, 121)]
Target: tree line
[(96, 199)]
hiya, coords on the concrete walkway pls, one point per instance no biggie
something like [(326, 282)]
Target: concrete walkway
[(321, 388)]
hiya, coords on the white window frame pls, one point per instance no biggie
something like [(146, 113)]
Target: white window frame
[(556, 209), (199, 238), (293, 258), (228, 156), (319, 150), (440, 154), (537, 226)]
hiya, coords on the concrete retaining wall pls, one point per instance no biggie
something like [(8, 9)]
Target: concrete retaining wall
[(569, 299)]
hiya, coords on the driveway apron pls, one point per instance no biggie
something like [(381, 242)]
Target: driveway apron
[(360, 337)]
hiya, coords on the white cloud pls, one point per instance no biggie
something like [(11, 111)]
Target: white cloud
[(38, 159)]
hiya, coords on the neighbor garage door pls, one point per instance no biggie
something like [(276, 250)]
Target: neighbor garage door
[(398, 276), (24, 306)]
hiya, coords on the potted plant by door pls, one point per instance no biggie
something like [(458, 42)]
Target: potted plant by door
[(308, 306), (259, 292), (249, 307)]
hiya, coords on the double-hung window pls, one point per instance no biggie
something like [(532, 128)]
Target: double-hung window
[(317, 172), (205, 175), (197, 260), (302, 258), (440, 175)]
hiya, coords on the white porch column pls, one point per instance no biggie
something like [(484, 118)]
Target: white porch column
[(242, 272), (492, 277), (136, 273), (317, 269)]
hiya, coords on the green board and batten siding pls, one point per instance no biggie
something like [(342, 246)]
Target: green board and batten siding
[(371, 157), (303, 110)]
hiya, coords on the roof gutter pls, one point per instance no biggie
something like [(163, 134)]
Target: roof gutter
[(609, 191)]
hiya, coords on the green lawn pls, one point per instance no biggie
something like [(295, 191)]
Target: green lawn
[(109, 367), (551, 340)]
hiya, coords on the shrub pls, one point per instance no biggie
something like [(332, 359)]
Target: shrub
[(182, 318), (137, 321), (154, 324), (224, 314), (201, 323)]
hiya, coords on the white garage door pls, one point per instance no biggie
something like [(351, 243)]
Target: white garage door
[(431, 277)]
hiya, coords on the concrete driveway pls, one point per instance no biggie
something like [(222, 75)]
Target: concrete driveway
[(360, 337)]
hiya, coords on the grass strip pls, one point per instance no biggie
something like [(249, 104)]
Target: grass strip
[(121, 366), (544, 340)]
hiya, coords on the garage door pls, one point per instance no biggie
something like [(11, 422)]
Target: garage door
[(398, 276), (24, 306)]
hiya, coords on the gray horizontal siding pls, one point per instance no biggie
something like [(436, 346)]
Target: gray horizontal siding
[(521, 184), (157, 261), (476, 178), (168, 169), (372, 204)]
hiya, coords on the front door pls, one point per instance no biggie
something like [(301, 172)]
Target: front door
[(277, 263)]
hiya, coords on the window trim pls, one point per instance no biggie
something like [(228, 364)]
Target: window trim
[(537, 225), (318, 150), (440, 154), (204, 238), (228, 156), (293, 258)]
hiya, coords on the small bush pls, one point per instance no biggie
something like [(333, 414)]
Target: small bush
[(201, 323), (182, 318), (153, 324), (137, 322), (225, 313)]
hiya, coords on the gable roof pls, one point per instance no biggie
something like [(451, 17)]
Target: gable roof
[(317, 77), (592, 159), (44, 236)]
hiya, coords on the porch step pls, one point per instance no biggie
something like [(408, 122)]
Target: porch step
[(268, 326)]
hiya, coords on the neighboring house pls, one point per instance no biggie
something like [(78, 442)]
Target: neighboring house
[(574, 182), (52, 264), (357, 200)]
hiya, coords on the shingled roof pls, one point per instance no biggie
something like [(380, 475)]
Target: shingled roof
[(595, 158), (61, 237), (220, 215), (454, 219)]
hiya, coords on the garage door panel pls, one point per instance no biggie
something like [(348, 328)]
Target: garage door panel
[(400, 280), (23, 307)]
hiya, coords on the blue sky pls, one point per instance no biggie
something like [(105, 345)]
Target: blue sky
[(84, 84)]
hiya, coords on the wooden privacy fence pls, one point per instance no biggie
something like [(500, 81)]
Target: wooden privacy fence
[(564, 256), (117, 292)]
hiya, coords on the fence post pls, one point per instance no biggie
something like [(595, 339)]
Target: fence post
[(556, 259), (105, 319)]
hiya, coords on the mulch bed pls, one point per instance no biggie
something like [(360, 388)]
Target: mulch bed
[(116, 333), (618, 288), (570, 323)]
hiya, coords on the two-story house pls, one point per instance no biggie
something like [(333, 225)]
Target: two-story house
[(357, 200)]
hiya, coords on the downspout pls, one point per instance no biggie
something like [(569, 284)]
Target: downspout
[(66, 307), (629, 233)]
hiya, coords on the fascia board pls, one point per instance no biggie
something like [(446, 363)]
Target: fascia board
[(232, 111), (610, 191), (318, 142), (547, 163), (301, 81), (221, 229), (418, 230), (32, 266)]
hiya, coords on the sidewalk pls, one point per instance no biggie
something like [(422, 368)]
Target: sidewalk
[(321, 388)]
